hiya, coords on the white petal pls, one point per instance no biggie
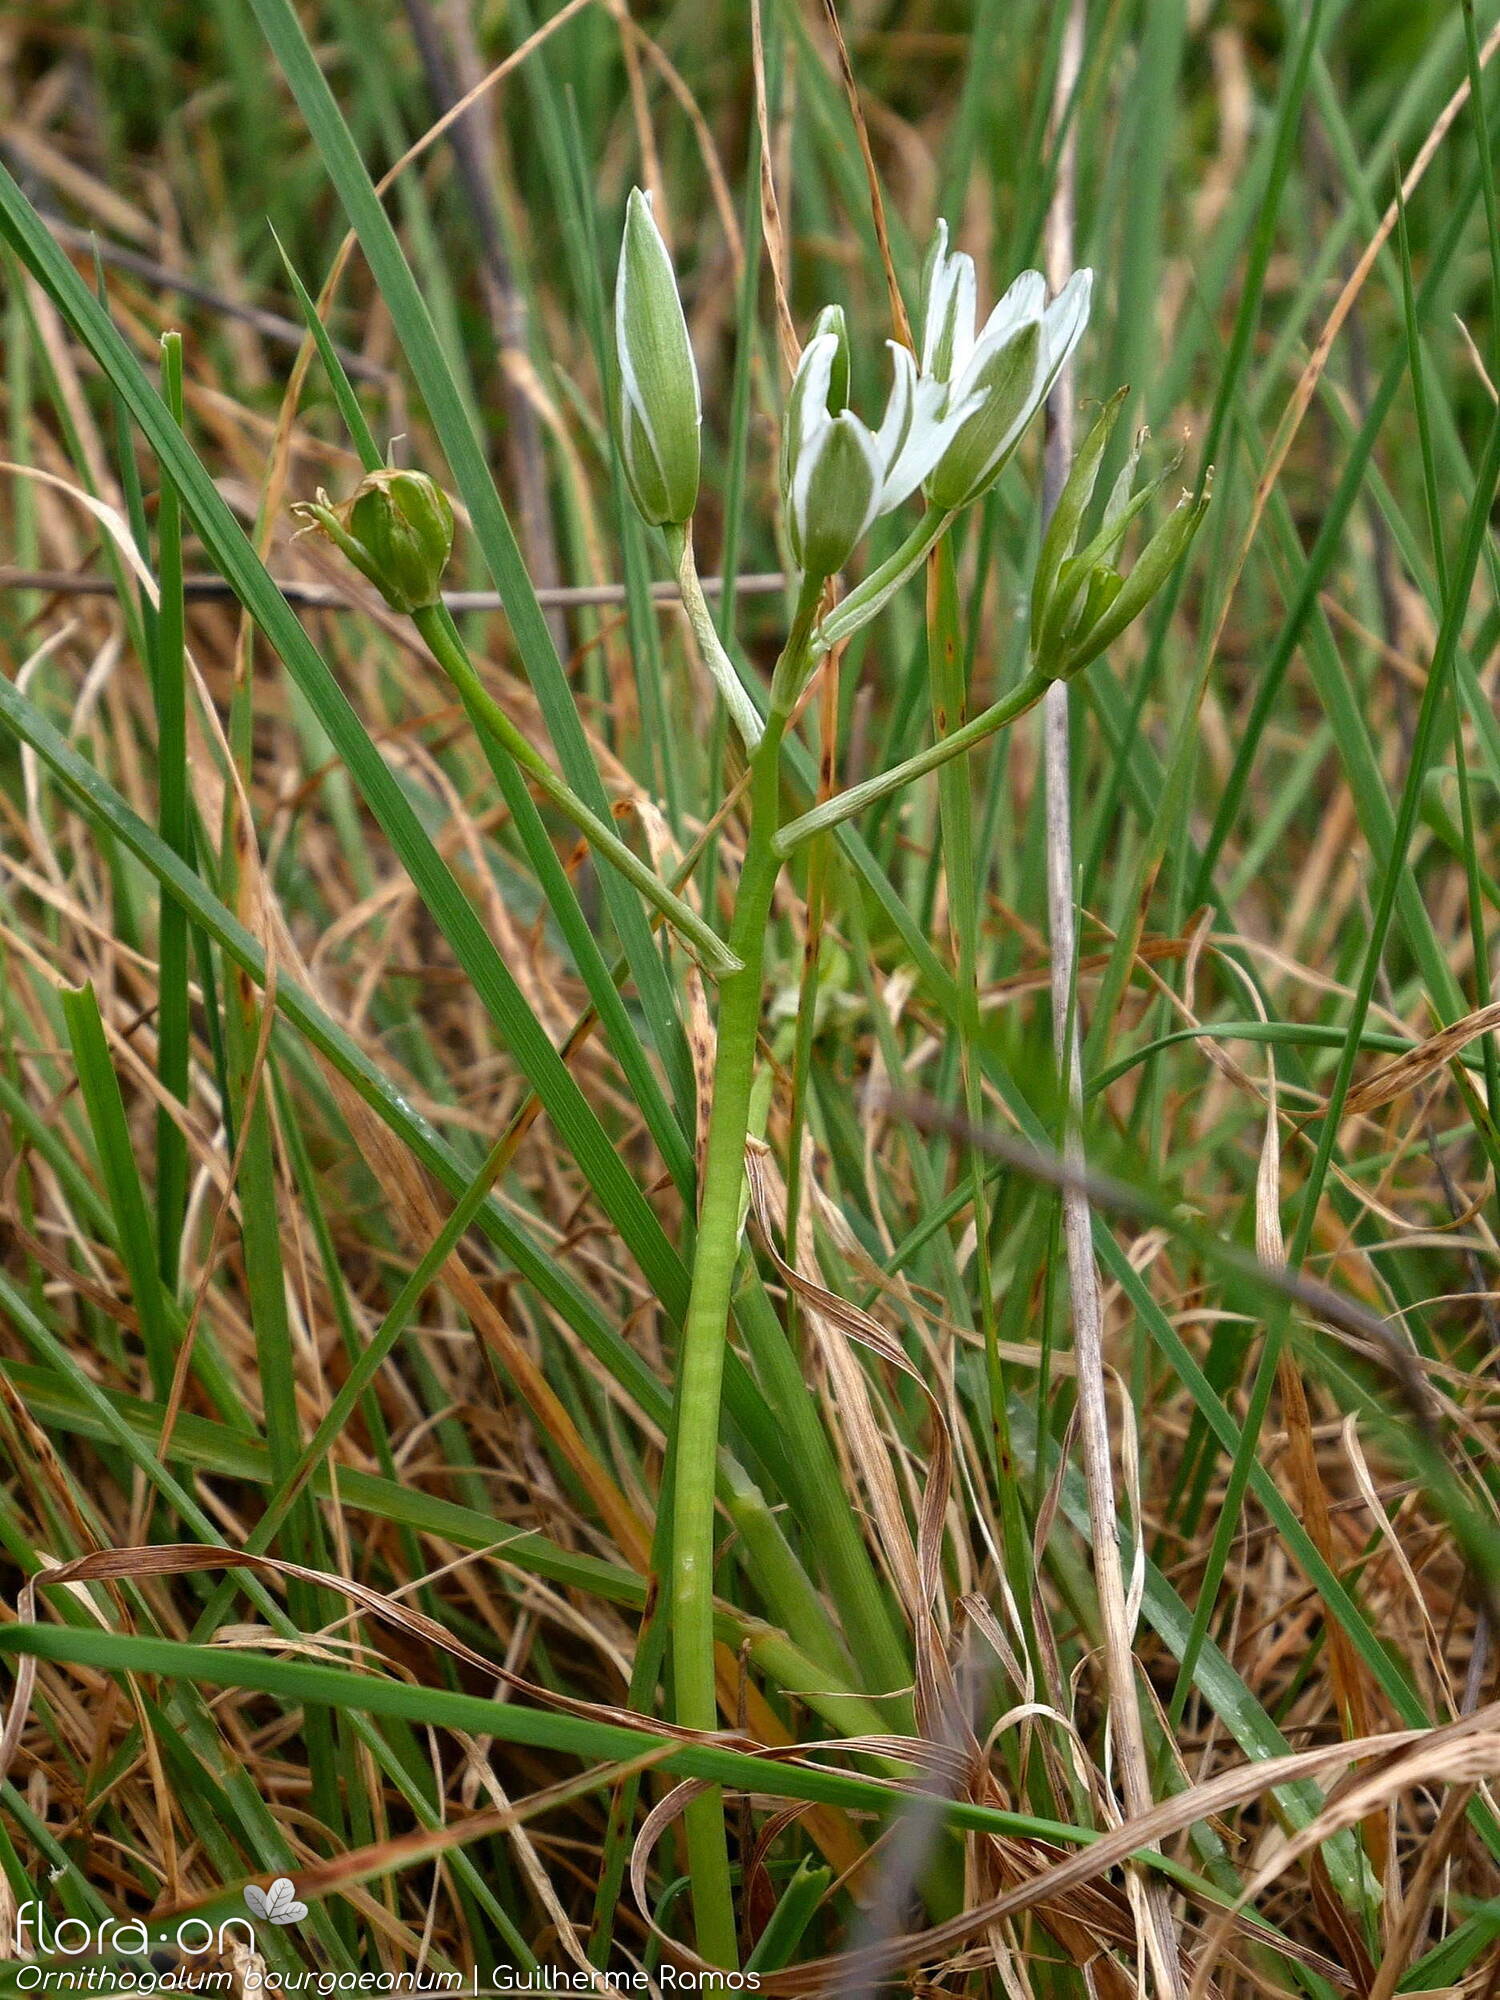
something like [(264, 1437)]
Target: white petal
[(932, 430), (1041, 382), (806, 418), (1023, 301), (932, 310), (1062, 329), (895, 425), (1035, 395), (809, 449), (866, 439), (809, 466), (951, 299), (1065, 319), (992, 344), (811, 384)]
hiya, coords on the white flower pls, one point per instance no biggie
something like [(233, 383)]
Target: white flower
[(833, 467), (1001, 378), (839, 476), (921, 420)]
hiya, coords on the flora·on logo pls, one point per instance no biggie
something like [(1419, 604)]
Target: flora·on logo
[(35, 1934), (278, 1904)]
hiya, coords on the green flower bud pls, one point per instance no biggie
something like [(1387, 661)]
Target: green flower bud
[(1067, 516), (1114, 601), (659, 409), (397, 530)]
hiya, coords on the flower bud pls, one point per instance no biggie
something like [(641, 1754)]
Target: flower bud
[(659, 410), (1072, 503), (1112, 601), (397, 530)]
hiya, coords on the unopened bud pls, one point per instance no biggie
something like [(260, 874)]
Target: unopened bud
[(830, 321), (659, 407), (835, 490)]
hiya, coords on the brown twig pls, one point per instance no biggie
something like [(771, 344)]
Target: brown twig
[(269, 325), (899, 320), (330, 596)]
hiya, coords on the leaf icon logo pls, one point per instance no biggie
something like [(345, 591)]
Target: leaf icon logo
[(278, 1904)]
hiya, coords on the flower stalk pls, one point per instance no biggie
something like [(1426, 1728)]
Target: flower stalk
[(700, 1369), (870, 597), (742, 710), (844, 805)]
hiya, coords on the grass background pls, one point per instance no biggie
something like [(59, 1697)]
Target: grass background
[(350, 1116)]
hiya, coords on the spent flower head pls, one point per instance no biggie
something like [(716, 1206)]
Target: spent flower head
[(1002, 375), (397, 530), (1081, 602), (660, 411)]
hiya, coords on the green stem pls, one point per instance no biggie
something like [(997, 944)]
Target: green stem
[(701, 1354), (449, 653), (742, 709), (869, 597), (844, 805), (807, 1018)]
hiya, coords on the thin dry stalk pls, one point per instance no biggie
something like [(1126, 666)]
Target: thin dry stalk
[(1127, 1729)]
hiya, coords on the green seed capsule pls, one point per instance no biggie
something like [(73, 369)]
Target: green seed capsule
[(397, 530), (1081, 603)]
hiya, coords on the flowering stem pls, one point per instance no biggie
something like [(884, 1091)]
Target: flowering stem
[(844, 805), (742, 710), (436, 626), (701, 1355), (867, 598)]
